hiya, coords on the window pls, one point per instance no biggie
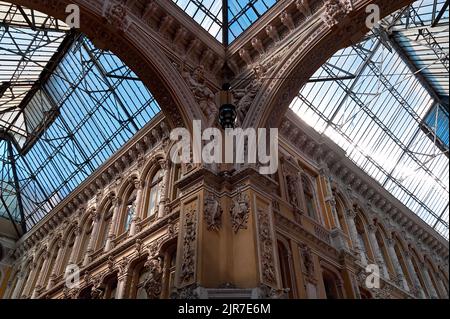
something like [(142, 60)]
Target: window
[(155, 195), (106, 225), (85, 237), (68, 252), (309, 197), (331, 284)]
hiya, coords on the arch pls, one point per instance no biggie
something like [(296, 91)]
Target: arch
[(416, 261), (432, 272), (147, 60), (69, 243), (53, 254), (286, 269), (86, 231), (312, 49), (333, 283), (400, 249), (361, 223), (340, 210)]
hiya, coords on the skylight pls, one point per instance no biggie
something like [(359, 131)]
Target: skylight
[(240, 14), (76, 104), (28, 41), (376, 116)]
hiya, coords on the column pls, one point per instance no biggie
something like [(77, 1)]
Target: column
[(122, 280), (38, 288), (112, 229), (18, 287), (164, 188), (414, 277), (138, 185), (26, 291), (54, 273), (441, 285), (428, 281), (376, 250), (396, 263), (91, 245), (350, 215)]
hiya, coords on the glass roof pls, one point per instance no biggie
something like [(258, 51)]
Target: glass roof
[(378, 113), (238, 14), (99, 104), (26, 48)]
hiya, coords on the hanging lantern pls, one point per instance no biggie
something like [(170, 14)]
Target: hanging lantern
[(227, 111)]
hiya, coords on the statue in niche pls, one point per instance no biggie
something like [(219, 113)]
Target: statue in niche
[(202, 93), (292, 184)]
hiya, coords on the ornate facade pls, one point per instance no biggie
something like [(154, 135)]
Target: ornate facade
[(209, 235), (144, 227)]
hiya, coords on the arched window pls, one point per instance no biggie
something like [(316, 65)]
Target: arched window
[(340, 211), (384, 253), (67, 252), (308, 192), (105, 227), (285, 267), (85, 237), (52, 264), (403, 266), (362, 238), (332, 285), (415, 261), (155, 193)]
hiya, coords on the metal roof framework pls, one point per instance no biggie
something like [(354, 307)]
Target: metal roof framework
[(385, 102), (75, 92), (225, 20)]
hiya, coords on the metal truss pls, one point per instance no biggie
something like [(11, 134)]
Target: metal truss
[(373, 99), (225, 19), (81, 105)]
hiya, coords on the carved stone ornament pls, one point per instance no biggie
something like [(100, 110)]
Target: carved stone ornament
[(116, 13), (266, 292), (307, 259), (202, 93), (153, 282), (240, 212), (213, 213), (188, 292), (292, 188), (336, 11), (266, 247), (189, 239)]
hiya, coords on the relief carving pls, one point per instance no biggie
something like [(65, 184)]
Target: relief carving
[(266, 247), (202, 93), (336, 11), (117, 15), (153, 282), (189, 241), (307, 259), (240, 212), (213, 213)]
